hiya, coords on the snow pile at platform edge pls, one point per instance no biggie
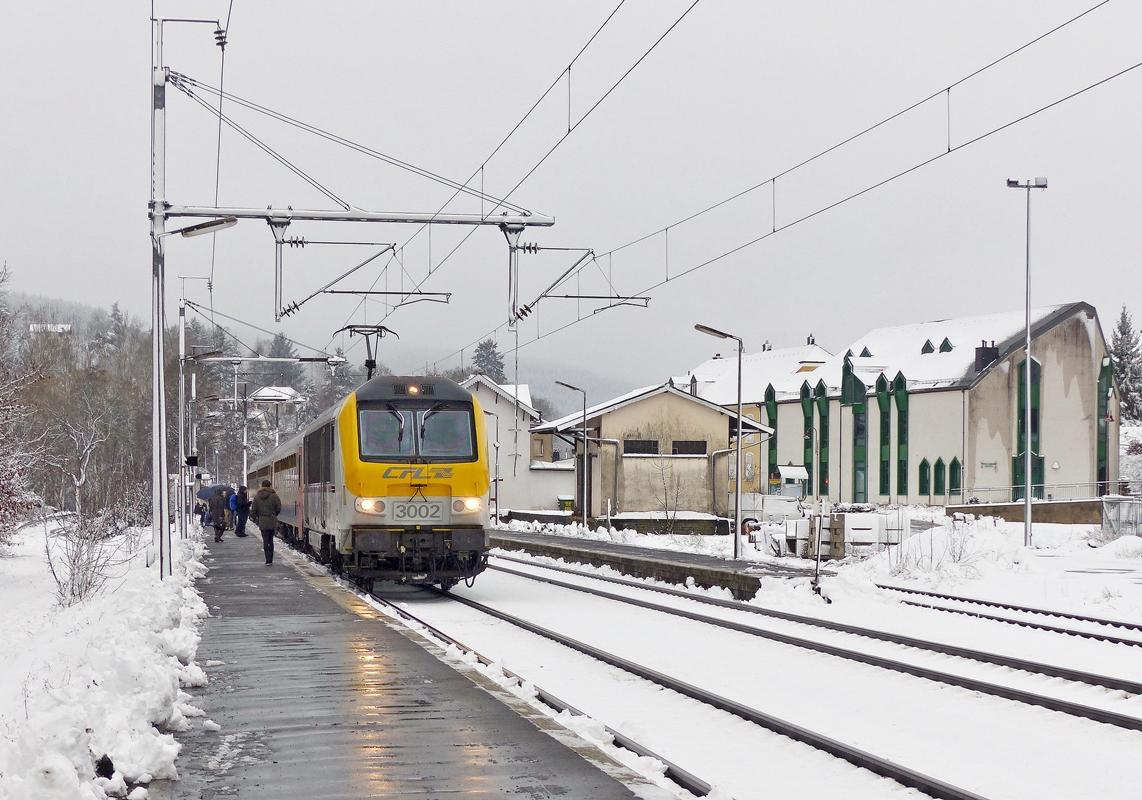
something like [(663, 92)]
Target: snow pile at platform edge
[(102, 677)]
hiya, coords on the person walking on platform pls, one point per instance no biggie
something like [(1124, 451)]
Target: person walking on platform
[(264, 509), (218, 513), (240, 506)]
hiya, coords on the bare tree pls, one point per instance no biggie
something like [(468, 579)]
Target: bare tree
[(79, 436)]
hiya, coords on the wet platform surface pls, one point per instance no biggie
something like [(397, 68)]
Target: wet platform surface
[(743, 578), (318, 696)]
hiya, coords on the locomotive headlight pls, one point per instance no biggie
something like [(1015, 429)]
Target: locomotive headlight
[(466, 505), (370, 505)]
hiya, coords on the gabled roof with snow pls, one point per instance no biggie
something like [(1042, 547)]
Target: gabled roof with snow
[(933, 355), (507, 391), (572, 421), (717, 378), (276, 394)]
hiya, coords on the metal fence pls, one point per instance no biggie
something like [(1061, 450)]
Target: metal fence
[(1121, 516), (1051, 491)]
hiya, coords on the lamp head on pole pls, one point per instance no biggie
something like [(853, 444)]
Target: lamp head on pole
[(706, 329), (213, 226)]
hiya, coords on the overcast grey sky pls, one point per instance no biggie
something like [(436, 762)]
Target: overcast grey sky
[(738, 92)]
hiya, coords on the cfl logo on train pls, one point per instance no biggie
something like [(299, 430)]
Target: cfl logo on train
[(437, 473)]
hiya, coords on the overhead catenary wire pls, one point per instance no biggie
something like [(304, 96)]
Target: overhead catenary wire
[(198, 310), (220, 35), (561, 139), (480, 170), (828, 207)]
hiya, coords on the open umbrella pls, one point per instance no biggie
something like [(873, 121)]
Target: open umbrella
[(206, 492)]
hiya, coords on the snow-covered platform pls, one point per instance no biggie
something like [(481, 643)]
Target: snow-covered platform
[(743, 578), (313, 694)]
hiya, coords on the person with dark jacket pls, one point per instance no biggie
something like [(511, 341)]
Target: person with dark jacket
[(264, 510), (240, 506), (218, 513)]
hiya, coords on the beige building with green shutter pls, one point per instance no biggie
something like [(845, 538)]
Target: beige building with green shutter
[(932, 412)]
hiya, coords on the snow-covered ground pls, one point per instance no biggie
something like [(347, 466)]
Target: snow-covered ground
[(106, 675), (103, 676)]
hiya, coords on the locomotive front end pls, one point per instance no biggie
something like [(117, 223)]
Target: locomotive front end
[(416, 482)]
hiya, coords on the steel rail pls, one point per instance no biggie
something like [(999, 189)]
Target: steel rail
[(933, 787), (1023, 623), (687, 780), (972, 684), (1012, 662), (1010, 607)]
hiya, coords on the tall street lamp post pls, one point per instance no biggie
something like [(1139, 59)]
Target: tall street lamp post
[(583, 502), (1037, 183), (738, 445)]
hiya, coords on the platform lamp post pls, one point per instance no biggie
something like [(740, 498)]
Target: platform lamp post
[(1037, 183), (586, 465), (738, 445)]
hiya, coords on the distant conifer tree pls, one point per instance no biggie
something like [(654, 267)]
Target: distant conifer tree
[(489, 361), (1126, 354)]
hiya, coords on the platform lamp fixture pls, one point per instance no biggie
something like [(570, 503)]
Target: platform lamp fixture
[(583, 501), (736, 532), (1037, 183)]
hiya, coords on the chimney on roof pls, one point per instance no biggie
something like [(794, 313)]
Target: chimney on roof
[(985, 356), (810, 339), (766, 346), (694, 385)]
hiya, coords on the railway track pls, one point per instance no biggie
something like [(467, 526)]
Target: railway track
[(947, 678), (969, 604), (1024, 665), (687, 780), (933, 787), (877, 763)]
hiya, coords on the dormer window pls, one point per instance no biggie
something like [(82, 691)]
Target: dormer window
[(866, 353), (928, 347), (946, 346)]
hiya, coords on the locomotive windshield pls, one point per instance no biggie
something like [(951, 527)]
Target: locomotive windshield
[(436, 433)]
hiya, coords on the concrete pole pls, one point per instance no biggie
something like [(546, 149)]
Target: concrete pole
[(160, 527)]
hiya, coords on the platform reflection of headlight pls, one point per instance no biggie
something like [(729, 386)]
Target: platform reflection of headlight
[(466, 505), (370, 505)]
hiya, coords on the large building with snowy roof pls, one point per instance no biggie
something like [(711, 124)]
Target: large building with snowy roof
[(932, 412)]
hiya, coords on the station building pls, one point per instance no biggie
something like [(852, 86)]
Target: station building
[(529, 470), (931, 412)]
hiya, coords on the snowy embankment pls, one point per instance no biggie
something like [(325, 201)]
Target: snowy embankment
[(1069, 568), (101, 677)]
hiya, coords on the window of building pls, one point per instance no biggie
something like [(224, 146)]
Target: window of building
[(687, 447), (955, 477), (823, 446), (946, 345), (1105, 387), (807, 414), (928, 347), (855, 395), (1018, 461), (900, 390), (749, 466), (640, 447), (866, 353), (938, 475), (884, 403), (771, 413), (925, 482)]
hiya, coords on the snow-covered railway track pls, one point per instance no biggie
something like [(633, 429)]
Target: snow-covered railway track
[(888, 768), (687, 780), (1023, 616), (940, 676), (998, 659)]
